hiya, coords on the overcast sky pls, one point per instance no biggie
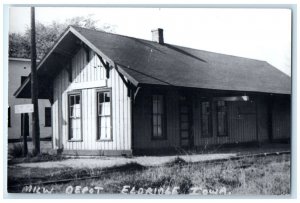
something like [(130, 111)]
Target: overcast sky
[(263, 34)]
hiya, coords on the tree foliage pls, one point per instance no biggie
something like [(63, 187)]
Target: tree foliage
[(47, 35), (18, 46)]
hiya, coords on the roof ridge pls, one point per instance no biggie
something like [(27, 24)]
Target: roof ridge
[(242, 57), (109, 33), (221, 72)]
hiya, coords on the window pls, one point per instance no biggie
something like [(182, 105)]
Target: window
[(158, 117), (74, 117), (47, 116), (206, 119), (8, 117), (222, 118), (23, 78), (104, 127)]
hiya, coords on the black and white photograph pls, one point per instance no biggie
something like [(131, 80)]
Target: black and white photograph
[(149, 101)]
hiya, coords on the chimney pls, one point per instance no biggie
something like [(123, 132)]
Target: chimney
[(158, 35)]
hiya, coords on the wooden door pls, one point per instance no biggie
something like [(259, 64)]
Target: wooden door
[(185, 122)]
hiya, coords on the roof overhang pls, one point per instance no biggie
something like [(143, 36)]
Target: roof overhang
[(169, 72), (55, 60)]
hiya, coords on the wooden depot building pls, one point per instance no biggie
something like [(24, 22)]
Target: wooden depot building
[(113, 95)]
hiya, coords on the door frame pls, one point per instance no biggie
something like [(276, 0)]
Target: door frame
[(189, 104)]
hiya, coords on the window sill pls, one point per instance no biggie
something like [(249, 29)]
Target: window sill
[(75, 140), (110, 140)]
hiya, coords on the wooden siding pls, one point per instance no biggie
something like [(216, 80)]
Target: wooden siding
[(244, 123), (241, 126), (85, 77), (247, 121), (281, 118), (142, 121), (262, 119)]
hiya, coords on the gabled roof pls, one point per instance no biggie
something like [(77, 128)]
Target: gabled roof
[(151, 63)]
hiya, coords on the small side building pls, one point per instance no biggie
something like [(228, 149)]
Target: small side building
[(18, 70), (114, 95)]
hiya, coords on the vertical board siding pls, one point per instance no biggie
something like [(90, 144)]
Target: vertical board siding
[(88, 72), (281, 114), (142, 122), (242, 126), (59, 110), (262, 118), (54, 114)]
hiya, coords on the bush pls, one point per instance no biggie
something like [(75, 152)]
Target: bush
[(43, 157), (176, 162), (16, 151)]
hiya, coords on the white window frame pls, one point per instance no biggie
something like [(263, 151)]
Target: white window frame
[(71, 94), (110, 128)]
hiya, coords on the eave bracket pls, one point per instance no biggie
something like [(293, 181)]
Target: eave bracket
[(105, 65)]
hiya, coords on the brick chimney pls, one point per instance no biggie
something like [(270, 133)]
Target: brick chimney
[(158, 35)]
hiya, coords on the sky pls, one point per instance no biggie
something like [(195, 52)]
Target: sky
[(263, 34)]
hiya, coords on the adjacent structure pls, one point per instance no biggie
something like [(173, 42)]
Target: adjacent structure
[(113, 95), (19, 69)]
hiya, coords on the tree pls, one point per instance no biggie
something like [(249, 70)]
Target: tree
[(19, 46), (47, 35)]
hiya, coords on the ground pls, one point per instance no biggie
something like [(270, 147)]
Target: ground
[(46, 146), (217, 173)]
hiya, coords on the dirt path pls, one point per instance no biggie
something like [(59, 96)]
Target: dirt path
[(104, 162)]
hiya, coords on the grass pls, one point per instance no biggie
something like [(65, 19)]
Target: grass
[(248, 176), (16, 155), (43, 157), (16, 151)]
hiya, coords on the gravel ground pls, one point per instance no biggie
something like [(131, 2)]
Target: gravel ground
[(104, 162)]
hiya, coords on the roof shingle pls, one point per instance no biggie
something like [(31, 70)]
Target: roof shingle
[(153, 63)]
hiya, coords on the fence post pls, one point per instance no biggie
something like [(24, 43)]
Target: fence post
[(25, 131)]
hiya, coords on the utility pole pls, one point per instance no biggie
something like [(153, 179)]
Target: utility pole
[(34, 90)]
